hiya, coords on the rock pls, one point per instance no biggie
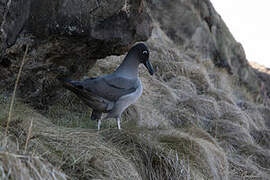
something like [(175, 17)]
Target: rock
[(2, 9), (15, 15), (116, 24), (65, 38)]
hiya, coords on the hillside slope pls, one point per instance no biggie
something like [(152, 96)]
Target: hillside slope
[(201, 116)]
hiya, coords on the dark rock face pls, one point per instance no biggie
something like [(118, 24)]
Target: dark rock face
[(2, 9), (118, 23), (194, 24), (65, 38), (15, 15)]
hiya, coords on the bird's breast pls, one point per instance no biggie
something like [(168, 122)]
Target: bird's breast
[(124, 101)]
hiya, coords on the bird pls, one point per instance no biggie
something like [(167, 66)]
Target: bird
[(113, 93)]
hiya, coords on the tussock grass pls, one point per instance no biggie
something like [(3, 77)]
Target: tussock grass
[(194, 121), (149, 158), (14, 166), (14, 91), (197, 74), (261, 137), (207, 160)]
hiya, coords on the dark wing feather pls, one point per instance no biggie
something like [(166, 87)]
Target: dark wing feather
[(92, 100), (110, 87)]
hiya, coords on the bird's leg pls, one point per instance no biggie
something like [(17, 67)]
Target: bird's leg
[(98, 124), (118, 122)]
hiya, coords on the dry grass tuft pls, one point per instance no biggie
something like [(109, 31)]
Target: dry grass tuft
[(78, 152), (194, 121), (14, 91), (14, 166), (206, 159), (150, 159)]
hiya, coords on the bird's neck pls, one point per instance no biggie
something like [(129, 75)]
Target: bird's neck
[(129, 67)]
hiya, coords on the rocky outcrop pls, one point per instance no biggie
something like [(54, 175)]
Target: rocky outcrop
[(65, 38), (113, 25)]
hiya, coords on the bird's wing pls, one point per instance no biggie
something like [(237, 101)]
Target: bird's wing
[(94, 101), (110, 87)]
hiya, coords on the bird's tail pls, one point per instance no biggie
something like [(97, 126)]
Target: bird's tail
[(74, 86), (96, 115)]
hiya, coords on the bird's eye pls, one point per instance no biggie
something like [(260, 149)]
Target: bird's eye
[(145, 52)]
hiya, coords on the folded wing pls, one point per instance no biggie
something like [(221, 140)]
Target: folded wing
[(110, 87)]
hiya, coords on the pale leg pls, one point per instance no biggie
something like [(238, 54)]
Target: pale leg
[(98, 124), (118, 122)]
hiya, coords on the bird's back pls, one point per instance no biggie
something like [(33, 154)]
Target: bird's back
[(92, 100), (110, 87)]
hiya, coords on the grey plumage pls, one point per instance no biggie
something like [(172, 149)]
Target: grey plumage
[(110, 87), (113, 93)]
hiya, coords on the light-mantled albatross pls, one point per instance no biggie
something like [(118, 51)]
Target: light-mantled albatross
[(113, 93)]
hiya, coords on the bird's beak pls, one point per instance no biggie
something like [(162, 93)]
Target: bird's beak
[(149, 67)]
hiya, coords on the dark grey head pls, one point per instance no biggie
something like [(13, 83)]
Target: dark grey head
[(142, 53)]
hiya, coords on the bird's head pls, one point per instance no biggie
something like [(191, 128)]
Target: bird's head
[(142, 54)]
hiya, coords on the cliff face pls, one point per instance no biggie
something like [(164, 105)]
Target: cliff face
[(201, 116), (65, 38)]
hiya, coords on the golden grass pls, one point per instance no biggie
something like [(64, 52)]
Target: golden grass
[(14, 166), (28, 136), (193, 122), (14, 91)]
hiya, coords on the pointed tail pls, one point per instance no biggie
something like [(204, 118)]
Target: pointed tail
[(74, 86)]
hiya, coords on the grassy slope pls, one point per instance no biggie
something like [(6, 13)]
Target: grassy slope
[(193, 121)]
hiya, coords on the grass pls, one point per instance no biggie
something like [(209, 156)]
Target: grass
[(14, 91), (14, 166), (189, 124)]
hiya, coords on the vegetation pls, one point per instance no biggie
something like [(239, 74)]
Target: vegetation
[(193, 121)]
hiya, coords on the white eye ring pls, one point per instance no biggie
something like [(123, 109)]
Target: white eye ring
[(145, 52)]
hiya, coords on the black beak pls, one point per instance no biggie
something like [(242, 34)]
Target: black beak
[(149, 66)]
